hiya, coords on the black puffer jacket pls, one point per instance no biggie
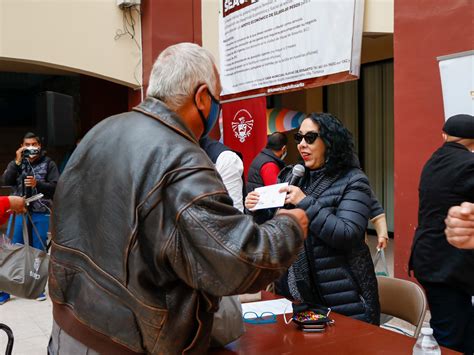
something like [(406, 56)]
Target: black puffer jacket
[(343, 276)]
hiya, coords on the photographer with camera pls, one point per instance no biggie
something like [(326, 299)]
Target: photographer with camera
[(31, 173)]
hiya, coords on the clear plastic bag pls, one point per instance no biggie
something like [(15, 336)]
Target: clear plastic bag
[(380, 263), (381, 269)]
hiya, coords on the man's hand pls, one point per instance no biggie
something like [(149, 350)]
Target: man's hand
[(300, 217), (19, 155), (460, 226), (17, 204), (251, 200), (30, 181)]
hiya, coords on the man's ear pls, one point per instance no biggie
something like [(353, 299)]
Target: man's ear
[(201, 97)]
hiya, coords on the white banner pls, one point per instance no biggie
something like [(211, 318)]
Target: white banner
[(280, 44), (457, 81)]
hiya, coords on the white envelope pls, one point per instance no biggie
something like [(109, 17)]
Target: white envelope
[(270, 197)]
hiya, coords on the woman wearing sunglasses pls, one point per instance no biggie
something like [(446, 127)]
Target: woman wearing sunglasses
[(335, 268)]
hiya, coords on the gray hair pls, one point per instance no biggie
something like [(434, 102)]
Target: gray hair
[(178, 71)]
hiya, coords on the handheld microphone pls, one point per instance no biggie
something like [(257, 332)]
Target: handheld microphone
[(296, 174)]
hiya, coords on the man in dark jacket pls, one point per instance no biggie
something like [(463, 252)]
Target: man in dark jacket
[(267, 164), (445, 272), (145, 239), (31, 173)]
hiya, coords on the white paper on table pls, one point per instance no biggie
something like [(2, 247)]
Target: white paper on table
[(270, 197), (278, 306)]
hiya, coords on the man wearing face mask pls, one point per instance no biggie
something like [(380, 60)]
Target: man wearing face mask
[(143, 251), (268, 163), (31, 173)]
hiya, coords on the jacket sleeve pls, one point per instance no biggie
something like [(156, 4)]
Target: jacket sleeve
[(230, 168), (376, 208), (4, 207), (11, 174), (343, 226), (48, 186), (217, 249), (464, 186)]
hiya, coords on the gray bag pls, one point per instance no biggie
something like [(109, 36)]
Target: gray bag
[(23, 269)]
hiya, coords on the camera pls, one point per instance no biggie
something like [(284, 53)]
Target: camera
[(28, 152)]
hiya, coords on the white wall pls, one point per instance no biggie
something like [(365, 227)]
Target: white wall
[(76, 35), (378, 16), (210, 26)]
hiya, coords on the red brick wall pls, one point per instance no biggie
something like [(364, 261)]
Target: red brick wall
[(424, 30), (166, 22), (100, 99)]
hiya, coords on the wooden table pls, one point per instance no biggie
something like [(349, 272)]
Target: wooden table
[(347, 336)]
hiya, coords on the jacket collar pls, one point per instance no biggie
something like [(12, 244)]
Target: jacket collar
[(40, 159), (270, 153), (455, 145), (158, 110)]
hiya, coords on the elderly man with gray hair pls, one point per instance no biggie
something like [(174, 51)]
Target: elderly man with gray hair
[(145, 239)]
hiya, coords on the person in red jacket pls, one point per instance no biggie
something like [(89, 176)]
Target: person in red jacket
[(9, 204)]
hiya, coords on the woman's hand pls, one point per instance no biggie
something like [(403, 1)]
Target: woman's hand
[(17, 204), (382, 242), (294, 195), (251, 200), (380, 225)]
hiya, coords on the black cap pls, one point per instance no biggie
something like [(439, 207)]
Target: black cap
[(461, 126)]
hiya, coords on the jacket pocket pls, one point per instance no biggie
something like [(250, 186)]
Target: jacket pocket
[(105, 308)]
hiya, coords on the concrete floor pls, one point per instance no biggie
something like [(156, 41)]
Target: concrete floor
[(31, 320), (31, 323)]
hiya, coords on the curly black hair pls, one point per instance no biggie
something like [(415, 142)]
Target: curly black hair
[(338, 140)]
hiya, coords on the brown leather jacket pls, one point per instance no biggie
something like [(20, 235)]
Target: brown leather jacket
[(146, 241)]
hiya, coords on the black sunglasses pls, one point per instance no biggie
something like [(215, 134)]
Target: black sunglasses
[(309, 137)]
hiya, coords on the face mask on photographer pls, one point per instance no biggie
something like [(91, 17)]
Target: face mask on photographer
[(213, 116), (32, 148), (32, 152)]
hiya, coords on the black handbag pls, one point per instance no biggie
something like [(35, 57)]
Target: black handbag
[(311, 317)]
